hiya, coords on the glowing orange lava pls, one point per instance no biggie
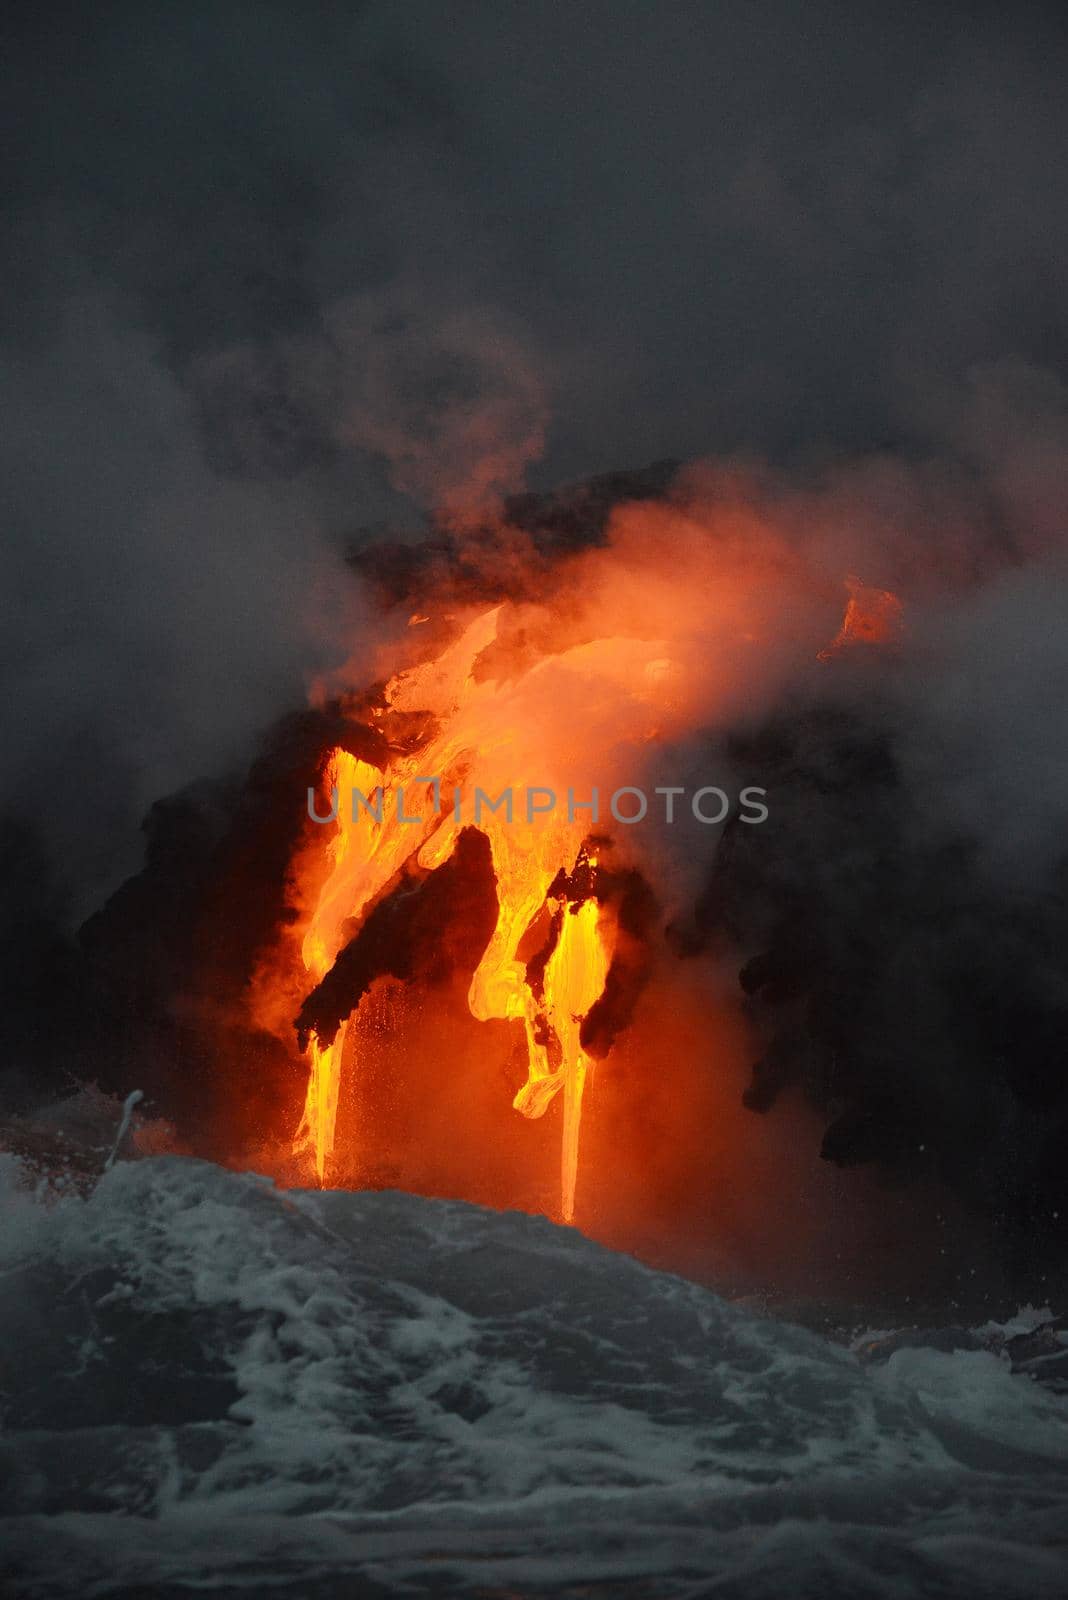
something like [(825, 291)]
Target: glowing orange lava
[(681, 622), (487, 740)]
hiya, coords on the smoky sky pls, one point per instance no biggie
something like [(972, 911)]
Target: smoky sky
[(277, 273)]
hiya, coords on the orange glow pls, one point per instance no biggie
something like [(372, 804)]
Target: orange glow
[(872, 616), (574, 979), (481, 746), (316, 1131), (678, 624)]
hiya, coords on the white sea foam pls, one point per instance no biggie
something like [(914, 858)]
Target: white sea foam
[(289, 1390)]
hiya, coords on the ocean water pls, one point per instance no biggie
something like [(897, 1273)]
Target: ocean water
[(210, 1387)]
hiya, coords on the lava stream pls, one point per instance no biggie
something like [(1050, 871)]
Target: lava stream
[(373, 838)]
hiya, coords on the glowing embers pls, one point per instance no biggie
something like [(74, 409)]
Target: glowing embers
[(872, 616)]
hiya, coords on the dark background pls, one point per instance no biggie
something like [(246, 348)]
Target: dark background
[(263, 263)]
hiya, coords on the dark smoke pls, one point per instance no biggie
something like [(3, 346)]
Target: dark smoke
[(271, 268)]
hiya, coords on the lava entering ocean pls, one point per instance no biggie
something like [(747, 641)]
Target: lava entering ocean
[(513, 707), (541, 862)]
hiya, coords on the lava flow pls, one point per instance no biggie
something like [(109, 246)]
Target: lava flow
[(582, 692), (478, 749)]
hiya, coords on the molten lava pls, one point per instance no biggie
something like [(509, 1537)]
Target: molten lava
[(398, 813), (633, 653)]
